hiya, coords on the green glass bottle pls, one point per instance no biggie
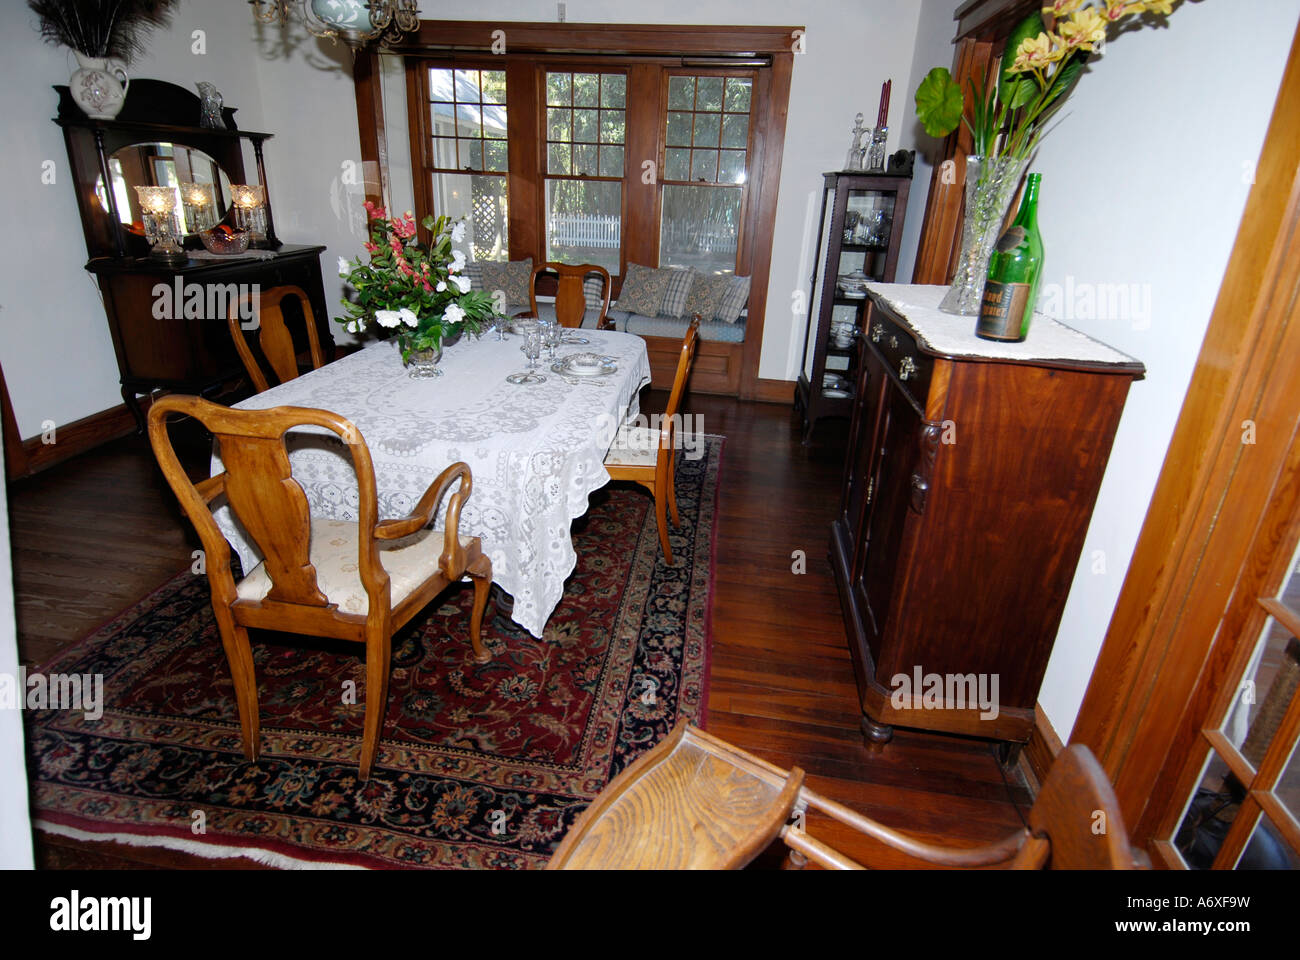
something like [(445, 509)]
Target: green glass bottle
[(1015, 272)]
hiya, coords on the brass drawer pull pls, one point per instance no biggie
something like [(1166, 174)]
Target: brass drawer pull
[(893, 343), (906, 368), (877, 332)]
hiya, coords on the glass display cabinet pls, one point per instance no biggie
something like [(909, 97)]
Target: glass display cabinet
[(858, 239)]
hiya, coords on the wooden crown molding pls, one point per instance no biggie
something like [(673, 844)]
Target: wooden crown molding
[(609, 38)]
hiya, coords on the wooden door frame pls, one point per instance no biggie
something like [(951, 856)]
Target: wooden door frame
[(1215, 498), (444, 37)]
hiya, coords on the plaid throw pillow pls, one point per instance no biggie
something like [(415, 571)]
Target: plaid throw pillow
[(680, 281), (734, 300), (510, 278), (643, 290), (706, 294)]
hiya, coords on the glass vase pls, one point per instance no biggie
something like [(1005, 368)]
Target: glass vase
[(990, 187), (423, 364)]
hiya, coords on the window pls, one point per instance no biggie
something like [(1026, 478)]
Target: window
[(586, 128), (705, 168), (467, 157)]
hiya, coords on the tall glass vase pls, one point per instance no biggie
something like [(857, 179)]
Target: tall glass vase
[(990, 187)]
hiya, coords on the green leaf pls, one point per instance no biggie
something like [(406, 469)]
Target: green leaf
[(1021, 92), (1031, 26), (1066, 77), (939, 103)]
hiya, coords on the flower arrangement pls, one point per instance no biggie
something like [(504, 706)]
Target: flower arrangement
[(1045, 55), (417, 291)]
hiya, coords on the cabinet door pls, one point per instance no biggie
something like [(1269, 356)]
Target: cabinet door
[(863, 454), (899, 434)]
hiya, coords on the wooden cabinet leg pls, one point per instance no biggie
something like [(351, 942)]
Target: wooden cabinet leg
[(133, 404), (876, 732)]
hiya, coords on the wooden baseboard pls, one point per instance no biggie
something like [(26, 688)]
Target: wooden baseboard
[(774, 391), (81, 435), (1043, 746)]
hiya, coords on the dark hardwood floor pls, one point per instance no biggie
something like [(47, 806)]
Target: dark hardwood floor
[(93, 535)]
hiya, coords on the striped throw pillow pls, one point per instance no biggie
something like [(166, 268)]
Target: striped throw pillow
[(593, 291), (734, 300), (680, 281)]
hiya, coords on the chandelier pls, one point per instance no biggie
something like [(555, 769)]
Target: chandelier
[(356, 22)]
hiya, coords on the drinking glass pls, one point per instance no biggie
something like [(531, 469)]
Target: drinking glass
[(552, 336), (532, 346)]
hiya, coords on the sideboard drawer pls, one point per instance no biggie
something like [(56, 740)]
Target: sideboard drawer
[(897, 348)]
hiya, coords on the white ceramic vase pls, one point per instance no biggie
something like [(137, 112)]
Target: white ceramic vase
[(99, 86)]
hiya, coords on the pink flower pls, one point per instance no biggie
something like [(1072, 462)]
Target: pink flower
[(371, 247)]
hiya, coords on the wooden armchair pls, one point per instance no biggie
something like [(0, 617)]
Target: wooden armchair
[(273, 336), (649, 457), (697, 802), (353, 581), (570, 300)]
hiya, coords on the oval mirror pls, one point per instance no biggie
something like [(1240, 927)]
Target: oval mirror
[(202, 187)]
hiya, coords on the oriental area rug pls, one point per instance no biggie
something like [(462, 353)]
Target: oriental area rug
[(480, 766)]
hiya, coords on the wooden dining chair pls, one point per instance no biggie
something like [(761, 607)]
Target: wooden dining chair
[(356, 581), (273, 336), (570, 299), (698, 802), (648, 457)]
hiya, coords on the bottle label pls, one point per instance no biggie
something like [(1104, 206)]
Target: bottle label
[(1002, 312)]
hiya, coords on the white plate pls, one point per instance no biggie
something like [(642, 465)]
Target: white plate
[(585, 363), (837, 394), (606, 368)]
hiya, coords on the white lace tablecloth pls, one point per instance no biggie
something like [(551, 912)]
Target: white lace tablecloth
[(535, 451)]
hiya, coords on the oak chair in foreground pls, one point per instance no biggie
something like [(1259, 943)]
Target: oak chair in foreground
[(649, 457), (273, 335), (570, 300), (328, 578), (697, 802)]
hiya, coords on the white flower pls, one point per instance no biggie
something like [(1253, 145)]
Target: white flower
[(458, 231), (408, 317), (344, 269), (442, 285), (453, 313), (457, 262), (463, 283), (388, 318), (352, 326)]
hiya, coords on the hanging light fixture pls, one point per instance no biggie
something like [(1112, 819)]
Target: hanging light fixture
[(355, 22)]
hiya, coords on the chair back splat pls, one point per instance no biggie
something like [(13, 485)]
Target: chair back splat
[(570, 300), (273, 336)]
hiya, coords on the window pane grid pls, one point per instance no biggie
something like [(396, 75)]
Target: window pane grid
[(467, 117), (706, 137), (586, 125)]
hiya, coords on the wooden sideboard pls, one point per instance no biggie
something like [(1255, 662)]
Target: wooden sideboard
[(970, 480), (184, 351)]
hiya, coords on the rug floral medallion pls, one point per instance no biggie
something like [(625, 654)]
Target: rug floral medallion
[(480, 765)]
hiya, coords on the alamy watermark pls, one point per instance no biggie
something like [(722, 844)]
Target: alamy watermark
[(1075, 300), (945, 691), (55, 691), (683, 432), (206, 301)]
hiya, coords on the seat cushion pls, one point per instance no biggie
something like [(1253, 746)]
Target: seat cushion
[(676, 329), (334, 553), (634, 447)]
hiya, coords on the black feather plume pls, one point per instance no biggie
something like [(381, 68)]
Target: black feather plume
[(102, 28)]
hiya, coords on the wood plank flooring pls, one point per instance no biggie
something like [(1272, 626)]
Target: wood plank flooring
[(95, 534)]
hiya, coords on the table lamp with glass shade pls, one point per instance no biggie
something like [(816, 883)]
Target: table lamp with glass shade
[(200, 206), (161, 225), (250, 210)]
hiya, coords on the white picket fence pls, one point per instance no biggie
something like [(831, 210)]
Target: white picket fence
[(589, 230), (585, 230)]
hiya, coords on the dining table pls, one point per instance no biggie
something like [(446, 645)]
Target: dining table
[(536, 451)]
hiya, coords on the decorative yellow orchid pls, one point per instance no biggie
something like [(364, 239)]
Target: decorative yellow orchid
[(1036, 53), (1061, 8), (1162, 7), (1086, 28), (1118, 9)]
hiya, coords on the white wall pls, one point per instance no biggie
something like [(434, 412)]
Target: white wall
[(934, 48), (15, 829), (1143, 184)]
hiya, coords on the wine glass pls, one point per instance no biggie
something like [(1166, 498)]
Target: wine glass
[(532, 346), (552, 336), (500, 323)]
